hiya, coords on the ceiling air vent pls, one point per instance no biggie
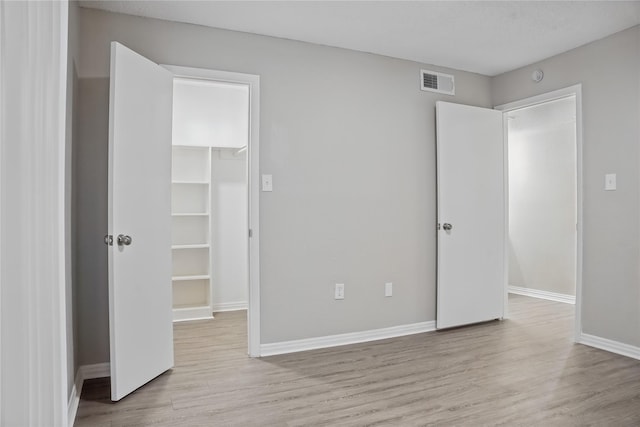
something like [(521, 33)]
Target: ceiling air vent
[(437, 82)]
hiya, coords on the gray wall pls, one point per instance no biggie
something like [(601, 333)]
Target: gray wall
[(609, 70), (90, 222), (350, 141)]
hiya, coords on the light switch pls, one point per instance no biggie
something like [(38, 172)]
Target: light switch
[(610, 182), (388, 289), (267, 183)]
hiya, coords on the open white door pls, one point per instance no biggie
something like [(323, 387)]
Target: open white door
[(140, 324), (471, 215)]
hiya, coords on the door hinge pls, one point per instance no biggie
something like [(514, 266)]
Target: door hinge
[(250, 233)]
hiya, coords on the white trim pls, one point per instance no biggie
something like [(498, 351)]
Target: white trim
[(62, 232), (505, 209), (575, 90), (74, 402), (3, 108), (539, 99), (229, 306), (253, 156), (610, 345), (98, 370), (192, 313), (33, 79), (537, 293), (253, 180), (293, 346), (85, 372)]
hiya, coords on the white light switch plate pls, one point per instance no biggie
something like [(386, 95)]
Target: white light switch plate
[(267, 183), (610, 182), (388, 289)]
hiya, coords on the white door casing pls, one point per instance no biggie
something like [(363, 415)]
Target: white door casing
[(471, 198), (253, 181), (140, 324), (34, 387)]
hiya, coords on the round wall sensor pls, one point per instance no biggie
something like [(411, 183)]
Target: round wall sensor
[(537, 76)]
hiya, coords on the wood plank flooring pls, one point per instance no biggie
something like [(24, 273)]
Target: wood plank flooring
[(523, 371)]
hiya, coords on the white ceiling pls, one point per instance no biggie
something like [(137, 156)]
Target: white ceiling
[(486, 37)]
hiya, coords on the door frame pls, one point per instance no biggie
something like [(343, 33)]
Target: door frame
[(576, 91), (253, 186)]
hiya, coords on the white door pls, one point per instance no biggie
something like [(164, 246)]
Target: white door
[(471, 215), (140, 324)]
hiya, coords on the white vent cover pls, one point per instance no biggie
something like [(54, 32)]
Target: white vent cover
[(437, 82)]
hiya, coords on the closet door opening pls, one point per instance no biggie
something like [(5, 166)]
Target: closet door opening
[(210, 211)]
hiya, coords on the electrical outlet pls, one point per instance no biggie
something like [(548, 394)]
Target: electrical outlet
[(267, 183), (610, 182), (388, 289), (339, 292)]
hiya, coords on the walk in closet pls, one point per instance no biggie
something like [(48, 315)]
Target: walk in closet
[(209, 198)]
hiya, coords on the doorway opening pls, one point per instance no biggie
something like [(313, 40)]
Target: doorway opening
[(214, 146), (544, 238)]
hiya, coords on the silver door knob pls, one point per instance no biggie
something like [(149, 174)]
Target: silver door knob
[(123, 239), (447, 226)]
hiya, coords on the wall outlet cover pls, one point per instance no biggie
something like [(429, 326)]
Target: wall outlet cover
[(610, 182), (267, 183)]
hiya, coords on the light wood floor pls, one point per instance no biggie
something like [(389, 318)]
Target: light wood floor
[(519, 372)]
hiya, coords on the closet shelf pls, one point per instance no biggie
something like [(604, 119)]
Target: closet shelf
[(187, 307), (191, 214), (191, 203), (190, 182), (190, 277), (193, 246), (186, 312)]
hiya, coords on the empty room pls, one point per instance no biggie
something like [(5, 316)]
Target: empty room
[(301, 213)]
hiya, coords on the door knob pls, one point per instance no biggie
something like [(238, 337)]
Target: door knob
[(447, 226), (123, 239)]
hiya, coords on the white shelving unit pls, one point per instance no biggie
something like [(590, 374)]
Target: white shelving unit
[(191, 225)]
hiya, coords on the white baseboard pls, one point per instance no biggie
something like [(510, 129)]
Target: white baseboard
[(345, 339), (85, 372), (229, 306), (99, 370), (610, 345), (74, 402), (536, 293)]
